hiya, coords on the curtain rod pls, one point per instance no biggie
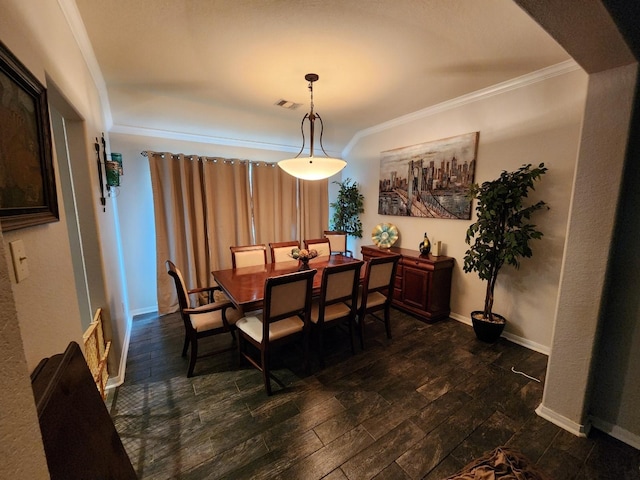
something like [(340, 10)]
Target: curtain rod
[(145, 153)]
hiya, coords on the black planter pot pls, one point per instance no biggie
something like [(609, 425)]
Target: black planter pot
[(487, 331)]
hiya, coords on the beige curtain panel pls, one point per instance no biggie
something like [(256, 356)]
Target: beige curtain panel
[(204, 205)]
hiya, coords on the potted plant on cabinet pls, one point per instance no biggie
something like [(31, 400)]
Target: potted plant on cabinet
[(347, 208), (500, 235)]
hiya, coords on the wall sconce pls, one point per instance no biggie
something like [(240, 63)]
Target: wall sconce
[(112, 170)]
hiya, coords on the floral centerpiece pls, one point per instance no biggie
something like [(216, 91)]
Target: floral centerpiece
[(304, 256)]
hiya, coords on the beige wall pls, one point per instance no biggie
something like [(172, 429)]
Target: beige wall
[(537, 122), (46, 303), (21, 451), (602, 154)]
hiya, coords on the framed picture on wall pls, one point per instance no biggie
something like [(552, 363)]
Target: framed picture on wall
[(430, 179), (27, 184)]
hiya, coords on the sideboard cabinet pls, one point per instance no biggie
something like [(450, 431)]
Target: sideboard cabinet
[(422, 286)]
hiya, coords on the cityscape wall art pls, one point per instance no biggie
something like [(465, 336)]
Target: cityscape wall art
[(430, 179)]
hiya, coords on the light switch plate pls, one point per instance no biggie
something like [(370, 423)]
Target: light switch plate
[(19, 257)]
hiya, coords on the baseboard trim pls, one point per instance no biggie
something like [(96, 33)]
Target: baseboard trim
[(509, 336), (579, 430), (617, 432), (144, 310), (118, 380)]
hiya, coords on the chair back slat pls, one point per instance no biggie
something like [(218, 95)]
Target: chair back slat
[(339, 286), (181, 287), (321, 245), (337, 241), (248, 255), (380, 275), (287, 295), (280, 251), (287, 299)]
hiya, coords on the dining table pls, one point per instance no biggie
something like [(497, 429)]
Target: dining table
[(245, 285)]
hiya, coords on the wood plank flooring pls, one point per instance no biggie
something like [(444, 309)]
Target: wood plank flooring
[(419, 406)]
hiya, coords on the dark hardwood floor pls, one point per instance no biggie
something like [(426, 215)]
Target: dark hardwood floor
[(419, 406)]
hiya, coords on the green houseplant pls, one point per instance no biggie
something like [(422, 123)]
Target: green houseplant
[(347, 208), (500, 235)]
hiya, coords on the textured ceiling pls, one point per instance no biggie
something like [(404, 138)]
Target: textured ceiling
[(217, 67)]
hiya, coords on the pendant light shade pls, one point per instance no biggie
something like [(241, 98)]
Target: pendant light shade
[(311, 167)]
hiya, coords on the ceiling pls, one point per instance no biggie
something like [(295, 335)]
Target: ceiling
[(216, 68)]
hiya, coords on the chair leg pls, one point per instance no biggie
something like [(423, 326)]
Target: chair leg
[(194, 357), (306, 338), (240, 352), (361, 328), (186, 344), (387, 321), (320, 347), (353, 345), (265, 371)]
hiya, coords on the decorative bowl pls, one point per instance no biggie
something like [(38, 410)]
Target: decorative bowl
[(384, 235)]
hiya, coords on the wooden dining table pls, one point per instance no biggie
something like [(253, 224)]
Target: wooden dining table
[(245, 285)]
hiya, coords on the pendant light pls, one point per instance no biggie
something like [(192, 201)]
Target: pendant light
[(311, 167)]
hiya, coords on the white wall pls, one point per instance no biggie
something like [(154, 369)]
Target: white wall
[(538, 122)]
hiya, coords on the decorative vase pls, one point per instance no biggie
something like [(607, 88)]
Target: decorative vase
[(485, 330), (304, 264), (425, 245)]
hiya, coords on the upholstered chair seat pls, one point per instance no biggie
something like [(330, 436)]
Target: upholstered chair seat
[(331, 312), (213, 318), (203, 318), (376, 292), (335, 305), (253, 327), (285, 318)]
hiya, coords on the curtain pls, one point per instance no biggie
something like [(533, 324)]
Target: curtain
[(205, 205), (313, 211), (228, 218), (274, 215), (177, 184)]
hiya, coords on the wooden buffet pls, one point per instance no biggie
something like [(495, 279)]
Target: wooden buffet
[(422, 285)]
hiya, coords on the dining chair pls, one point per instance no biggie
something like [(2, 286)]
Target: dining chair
[(339, 285), (204, 320), (285, 318), (338, 242), (321, 245), (376, 292), (248, 255), (280, 251)]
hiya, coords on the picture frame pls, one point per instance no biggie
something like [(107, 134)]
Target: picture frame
[(430, 179), (27, 183)]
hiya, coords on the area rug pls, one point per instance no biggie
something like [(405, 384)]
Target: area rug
[(501, 463)]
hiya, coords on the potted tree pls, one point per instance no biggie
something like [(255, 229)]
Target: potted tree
[(347, 208), (500, 235)]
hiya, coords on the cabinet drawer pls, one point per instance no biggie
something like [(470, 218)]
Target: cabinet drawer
[(422, 286), (415, 288)]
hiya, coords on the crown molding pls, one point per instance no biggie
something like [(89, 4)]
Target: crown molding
[(497, 89), (192, 137), (74, 19)]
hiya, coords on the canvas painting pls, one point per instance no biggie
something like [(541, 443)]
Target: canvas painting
[(430, 179)]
